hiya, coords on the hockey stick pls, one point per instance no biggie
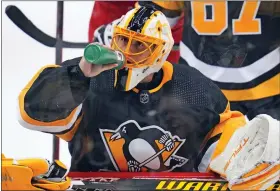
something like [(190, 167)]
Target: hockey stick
[(142, 181), (20, 20)]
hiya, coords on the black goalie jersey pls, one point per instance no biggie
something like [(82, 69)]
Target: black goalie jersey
[(170, 124)]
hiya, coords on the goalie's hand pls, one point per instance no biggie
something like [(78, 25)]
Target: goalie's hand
[(33, 174), (92, 70)]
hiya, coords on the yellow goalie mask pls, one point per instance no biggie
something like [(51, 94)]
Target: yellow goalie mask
[(144, 36)]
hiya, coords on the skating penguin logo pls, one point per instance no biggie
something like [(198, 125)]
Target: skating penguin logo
[(133, 148)]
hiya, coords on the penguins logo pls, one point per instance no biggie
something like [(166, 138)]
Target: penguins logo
[(133, 148)]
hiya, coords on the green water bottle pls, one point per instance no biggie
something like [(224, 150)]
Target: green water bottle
[(98, 54)]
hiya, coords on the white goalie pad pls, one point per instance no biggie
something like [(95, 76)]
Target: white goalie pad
[(251, 154)]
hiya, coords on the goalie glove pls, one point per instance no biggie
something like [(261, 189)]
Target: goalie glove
[(251, 158), (33, 174)]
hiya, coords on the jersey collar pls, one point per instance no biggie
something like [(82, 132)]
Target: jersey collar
[(167, 69)]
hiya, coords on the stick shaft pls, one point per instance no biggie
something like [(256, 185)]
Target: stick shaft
[(58, 60)]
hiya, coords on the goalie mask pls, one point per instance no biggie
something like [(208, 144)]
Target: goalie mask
[(144, 36)]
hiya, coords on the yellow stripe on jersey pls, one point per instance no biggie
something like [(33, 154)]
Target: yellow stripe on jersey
[(167, 76), (26, 118), (266, 89), (70, 134)]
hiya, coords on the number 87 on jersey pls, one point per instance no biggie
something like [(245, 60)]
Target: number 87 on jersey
[(217, 22)]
